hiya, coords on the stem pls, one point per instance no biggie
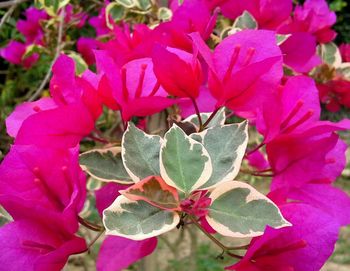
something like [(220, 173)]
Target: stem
[(98, 139), (210, 118), (9, 4), (93, 241), (262, 144), (8, 13), (58, 50), (256, 173), (197, 113), (90, 225), (224, 248)]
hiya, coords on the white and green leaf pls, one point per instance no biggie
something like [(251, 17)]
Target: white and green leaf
[(245, 21), (238, 210), (226, 146), (330, 54), (137, 220), (140, 153), (114, 11), (105, 165), (184, 162), (219, 119)]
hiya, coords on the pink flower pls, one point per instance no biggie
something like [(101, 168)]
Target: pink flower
[(268, 14), (99, 22), (30, 189), (294, 157), (23, 111), (14, 52), (133, 88), (257, 160), (78, 19), (313, 17), (305, 246), (31, 28), (118, 253), (345, 52), (177, 71), (299, 52), (244, 70), (107, 194), (296, 106), (32, 246)]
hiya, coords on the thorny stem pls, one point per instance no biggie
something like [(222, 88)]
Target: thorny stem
[(197, 113), (224, 248), (90, 225), (209, 119), (57, 54)]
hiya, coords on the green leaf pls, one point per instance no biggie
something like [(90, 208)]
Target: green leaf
[(164, 14), (116, 12), (155, 191), (143, 4), (238, 210), (137, 220), (105, 165), (344, 70), (140, 153), (184, 162), (80, 64), (51, 6), (219, 118), (126, 3), (330, 54), (245, 21), (226, 146)]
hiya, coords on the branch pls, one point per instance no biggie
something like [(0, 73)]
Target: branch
[(8, 13), (58, 50), (10, 4)]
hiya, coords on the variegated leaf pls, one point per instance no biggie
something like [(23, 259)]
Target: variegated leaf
[(219, 118), (226, 146), (245, 21), (137, 220), (238, 210), (155, 191), (184, 162), (105, 165), (330, 54), (140, 153)]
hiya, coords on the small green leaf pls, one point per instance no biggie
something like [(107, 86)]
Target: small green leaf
[(238, 210), (219, 118), (143, 4), (126, 3), (184, 162), (344, 70), (116, 12), (32, 49), (226, 146), (51, 6), (140, 153), (164, 14), (137, 220), (245, 21), (330, 54), (105, 165), (80, 64)]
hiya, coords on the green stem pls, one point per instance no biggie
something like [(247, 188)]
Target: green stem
[(90, 225), (224, 248)]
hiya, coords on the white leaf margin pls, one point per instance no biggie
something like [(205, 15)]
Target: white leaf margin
[(253, 195), (116, 207)]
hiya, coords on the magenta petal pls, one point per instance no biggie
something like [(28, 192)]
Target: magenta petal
[(23, 111), (27, 245), (146, 106), (117, 253), (61, 127), (329, 199), (13, 52)]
